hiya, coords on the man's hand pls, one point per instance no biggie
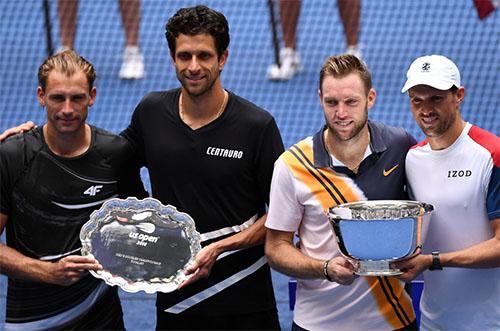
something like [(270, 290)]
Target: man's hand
[(17, 129), (341, 271), (412, 267), (203, 263), (71, 269)]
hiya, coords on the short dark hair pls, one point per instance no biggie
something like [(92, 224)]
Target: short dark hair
[(68, 63), (196, 20), (342, 65)]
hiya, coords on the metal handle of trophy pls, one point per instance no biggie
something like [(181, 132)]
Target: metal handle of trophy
[(334, 221), (331, 216), (415, 252), (427, 207)]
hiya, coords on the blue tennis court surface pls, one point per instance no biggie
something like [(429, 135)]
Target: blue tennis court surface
[(393, 33)]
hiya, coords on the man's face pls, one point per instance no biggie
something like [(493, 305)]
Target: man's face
[(196, 63), (345, 105), (435, 111), (66, 100)]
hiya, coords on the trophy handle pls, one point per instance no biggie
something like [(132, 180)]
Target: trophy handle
[(419, 231), (426, 208), (417, 251)]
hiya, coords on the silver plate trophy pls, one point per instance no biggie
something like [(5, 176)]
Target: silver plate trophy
[(141, 244), (376, 233)]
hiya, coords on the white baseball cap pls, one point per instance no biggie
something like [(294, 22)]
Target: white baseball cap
[(433, 70)]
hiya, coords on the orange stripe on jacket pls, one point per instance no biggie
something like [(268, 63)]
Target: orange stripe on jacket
[(386, 296), (317, 182)]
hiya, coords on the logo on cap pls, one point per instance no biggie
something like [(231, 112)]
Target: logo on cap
[(426, 66)]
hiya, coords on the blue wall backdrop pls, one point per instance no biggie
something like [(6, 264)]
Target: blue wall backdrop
[(393, 33)]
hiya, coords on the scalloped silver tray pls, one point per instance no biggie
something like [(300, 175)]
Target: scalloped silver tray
[(142, 245)]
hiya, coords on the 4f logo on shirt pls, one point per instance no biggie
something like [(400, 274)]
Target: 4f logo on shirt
[(93, 190)]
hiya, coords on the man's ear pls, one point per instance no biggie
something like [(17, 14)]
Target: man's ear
[(92, 93), (460, 94), (372, 96), (223, 59), (40, 96)]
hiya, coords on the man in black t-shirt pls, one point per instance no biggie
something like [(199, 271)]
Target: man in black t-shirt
[(52, 178), (211, 153)]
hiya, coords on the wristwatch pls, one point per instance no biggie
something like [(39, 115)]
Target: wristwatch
[(436, 262)]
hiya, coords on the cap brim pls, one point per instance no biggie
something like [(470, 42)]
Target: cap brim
[(437, 84)]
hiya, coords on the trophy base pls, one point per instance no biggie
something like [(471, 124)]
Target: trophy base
[(376, 268)]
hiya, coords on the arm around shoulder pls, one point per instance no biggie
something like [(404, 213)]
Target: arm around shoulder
[(17, 129)]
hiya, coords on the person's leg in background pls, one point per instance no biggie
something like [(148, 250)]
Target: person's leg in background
[(67, 13), (350, 13), (289, 16), (130, 11), (133, 61), (289, 57)]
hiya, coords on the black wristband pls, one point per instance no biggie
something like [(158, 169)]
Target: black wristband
[(436, 262), (325, 271)]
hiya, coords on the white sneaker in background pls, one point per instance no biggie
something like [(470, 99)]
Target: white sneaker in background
[(133, 64), (354, 50), (290, 65), (62, 48)]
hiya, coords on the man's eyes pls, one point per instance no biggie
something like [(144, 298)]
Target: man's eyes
[(62, 98)]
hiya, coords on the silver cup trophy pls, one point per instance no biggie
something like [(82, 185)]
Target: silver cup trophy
[(376, 233)]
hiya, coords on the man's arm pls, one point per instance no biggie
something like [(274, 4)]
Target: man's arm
[(286, 258), (482, 255), (17, 129), (205, 259), (65, 271)]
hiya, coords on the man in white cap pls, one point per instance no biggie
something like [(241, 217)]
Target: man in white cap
[(456, 169)]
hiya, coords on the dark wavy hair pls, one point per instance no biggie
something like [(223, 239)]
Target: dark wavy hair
[(196, 20)]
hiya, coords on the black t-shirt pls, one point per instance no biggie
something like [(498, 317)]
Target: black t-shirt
[(47, 199), (220, 174)]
